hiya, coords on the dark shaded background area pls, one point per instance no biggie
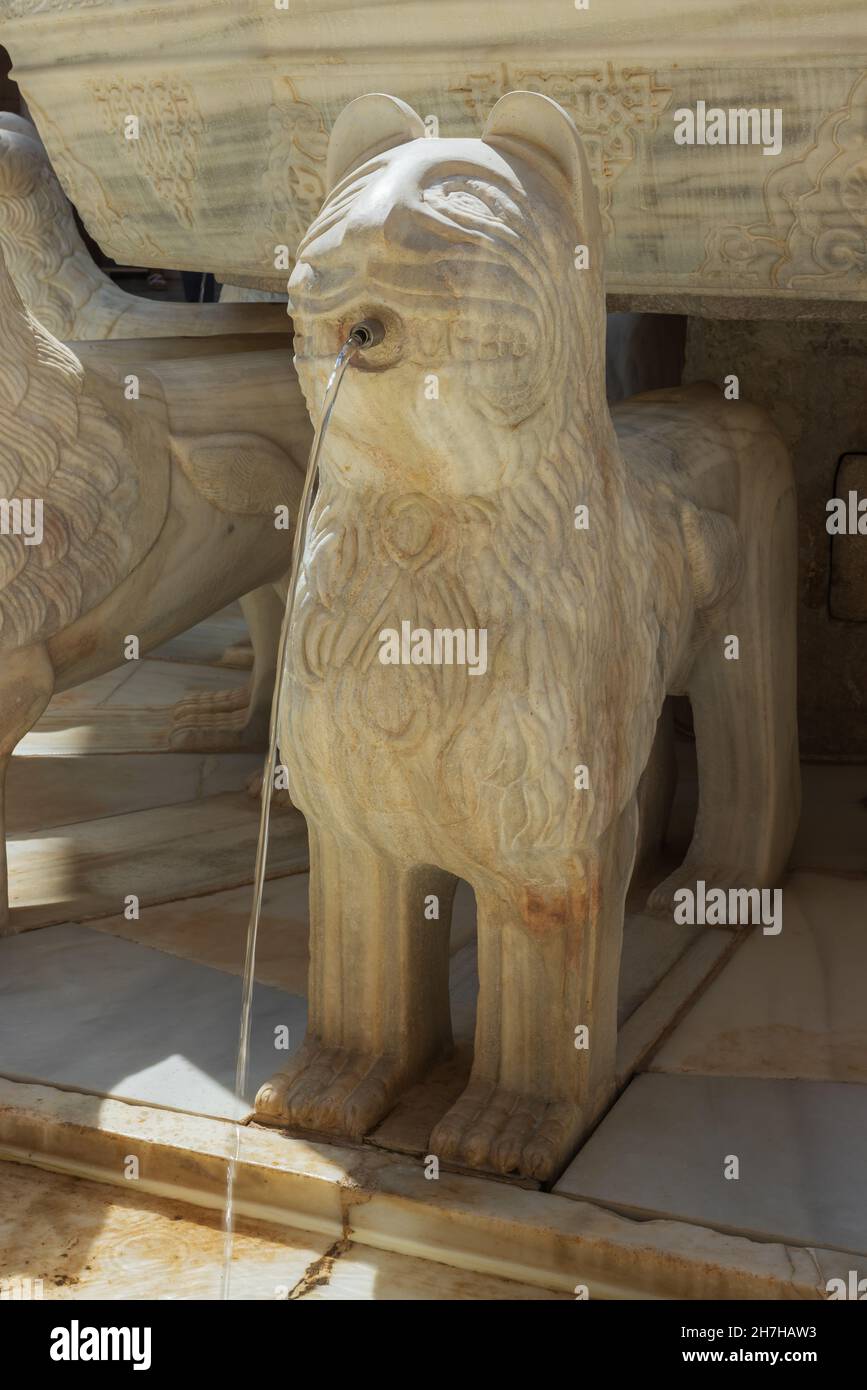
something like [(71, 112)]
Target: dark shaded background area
[(9, 98)]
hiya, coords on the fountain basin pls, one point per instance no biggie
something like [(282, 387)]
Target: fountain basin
[(381, 1201), (235, 100)]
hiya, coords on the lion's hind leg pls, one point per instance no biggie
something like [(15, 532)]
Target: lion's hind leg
[(743, 694)]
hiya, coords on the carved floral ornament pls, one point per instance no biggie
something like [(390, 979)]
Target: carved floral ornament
[(816, 204), (816, 207), (171, 127), (813, 236), (611, 107), (297, 146), (82, 183)]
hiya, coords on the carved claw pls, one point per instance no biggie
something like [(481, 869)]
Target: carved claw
[(218, 722), (332, 1091), (508, 1133)]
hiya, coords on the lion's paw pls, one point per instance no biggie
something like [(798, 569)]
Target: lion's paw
[(332, 1091), (509, 1133), (217, 722)]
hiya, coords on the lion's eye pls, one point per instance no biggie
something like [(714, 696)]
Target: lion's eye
[(468, 202)]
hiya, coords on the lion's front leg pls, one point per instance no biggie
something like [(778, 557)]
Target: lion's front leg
[(378, 1005), (546, 1030)]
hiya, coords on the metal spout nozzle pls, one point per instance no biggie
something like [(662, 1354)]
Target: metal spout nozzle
[(367, 333)]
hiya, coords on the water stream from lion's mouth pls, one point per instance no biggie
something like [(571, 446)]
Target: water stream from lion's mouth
[(362, 336)]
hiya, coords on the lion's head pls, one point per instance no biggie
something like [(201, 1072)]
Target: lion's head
[(468, 253)]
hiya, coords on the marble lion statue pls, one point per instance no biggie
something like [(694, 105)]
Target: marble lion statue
[(128, 517), (461, 455), (65, 290)]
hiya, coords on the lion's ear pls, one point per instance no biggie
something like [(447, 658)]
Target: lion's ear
[(539, 130), (366, 127)]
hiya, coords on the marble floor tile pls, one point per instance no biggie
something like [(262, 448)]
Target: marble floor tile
[(45, 792), (791, 1005), (212, 930), (650, 948), (85, 1010), (801, 1149), (87, 869)]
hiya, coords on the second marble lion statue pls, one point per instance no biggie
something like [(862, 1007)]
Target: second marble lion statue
[(474, 482)]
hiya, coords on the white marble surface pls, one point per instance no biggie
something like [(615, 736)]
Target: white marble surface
[(651, 946), (85, 1010), (61, 790), (87, 869), (801, 1146), (790, 1005), (148, 1010)]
